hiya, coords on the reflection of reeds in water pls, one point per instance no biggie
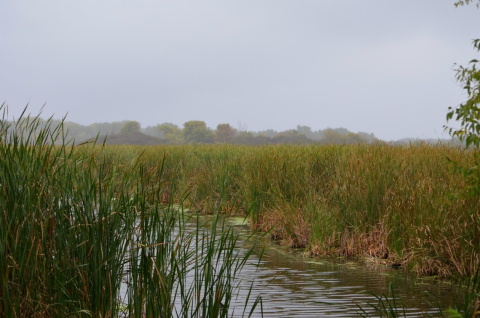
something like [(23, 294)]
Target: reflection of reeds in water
[(465, 306), (74, 216), (390, 203), (72, 224)]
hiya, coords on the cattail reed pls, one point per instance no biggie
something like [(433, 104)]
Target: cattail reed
[(83, 233)]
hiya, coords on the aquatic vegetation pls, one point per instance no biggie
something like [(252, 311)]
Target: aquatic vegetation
[(387, 306), (465, 305), (83, 235), (392, 204), (103, 230)]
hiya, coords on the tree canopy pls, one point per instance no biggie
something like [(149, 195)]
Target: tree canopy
[(197, 131), (130, 127), (225, 133)]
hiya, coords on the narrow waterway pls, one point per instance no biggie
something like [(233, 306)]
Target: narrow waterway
[(294, 286)]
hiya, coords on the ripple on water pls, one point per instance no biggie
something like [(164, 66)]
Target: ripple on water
[(292, 286)]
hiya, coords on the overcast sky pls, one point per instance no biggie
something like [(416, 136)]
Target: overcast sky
[(373, 65)]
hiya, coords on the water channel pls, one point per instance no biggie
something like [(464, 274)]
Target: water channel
[(292, 285)]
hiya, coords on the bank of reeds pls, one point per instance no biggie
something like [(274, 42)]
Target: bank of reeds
[(466, 304), (394, 204), (82, 234)]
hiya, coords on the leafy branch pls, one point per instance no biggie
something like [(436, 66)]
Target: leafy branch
[(463, 2), (468, 113)]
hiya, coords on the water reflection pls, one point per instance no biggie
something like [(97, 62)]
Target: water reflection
[(294, 286)]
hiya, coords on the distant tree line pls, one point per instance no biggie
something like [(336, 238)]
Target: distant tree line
[(197, 132)]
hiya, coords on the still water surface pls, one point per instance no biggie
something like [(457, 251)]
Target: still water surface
[(294, 286), (291, 285)]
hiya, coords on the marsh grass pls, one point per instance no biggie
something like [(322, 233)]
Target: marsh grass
[(464, 304), (77, 226), (395, 205), (469, 302), (386, 306), (81, 222)]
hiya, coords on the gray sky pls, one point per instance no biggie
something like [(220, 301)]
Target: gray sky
[(373, 65)]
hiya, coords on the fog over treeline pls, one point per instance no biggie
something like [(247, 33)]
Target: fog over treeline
[(197, 132)]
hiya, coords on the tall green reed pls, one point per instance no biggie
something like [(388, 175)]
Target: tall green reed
[(82, 234), (387, 306), (387, 202), (464, 304)]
